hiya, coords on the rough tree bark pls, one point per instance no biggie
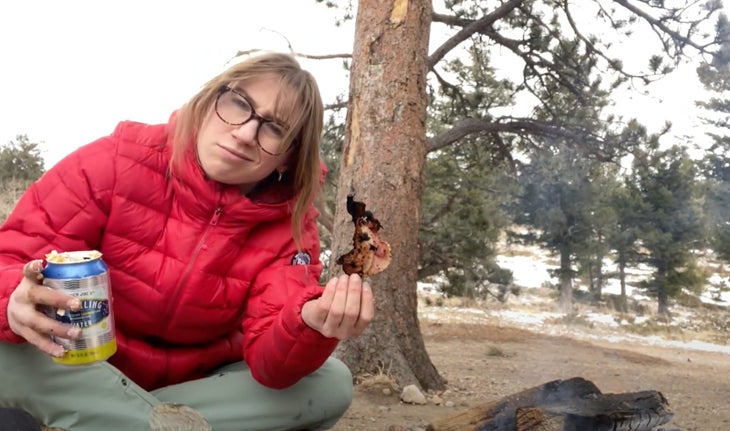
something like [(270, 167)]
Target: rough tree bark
[(382, 165)]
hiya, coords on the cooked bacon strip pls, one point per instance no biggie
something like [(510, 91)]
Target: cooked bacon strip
[(370, 254)]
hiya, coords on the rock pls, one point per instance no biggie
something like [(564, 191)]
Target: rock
[(412, 395)]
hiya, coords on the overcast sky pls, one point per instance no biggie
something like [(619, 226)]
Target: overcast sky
[(99, 62), (71, 70)]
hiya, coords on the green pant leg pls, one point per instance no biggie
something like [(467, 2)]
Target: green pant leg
[(231, 400), (72, 397)]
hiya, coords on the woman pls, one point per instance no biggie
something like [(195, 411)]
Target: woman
[(208, 230)]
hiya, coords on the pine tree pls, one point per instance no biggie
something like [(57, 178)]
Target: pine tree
[(20, 160), (671, 221)]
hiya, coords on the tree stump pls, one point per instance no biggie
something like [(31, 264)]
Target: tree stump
[(563, 405)]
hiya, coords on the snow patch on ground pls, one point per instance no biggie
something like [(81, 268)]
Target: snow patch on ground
[(531, 309)]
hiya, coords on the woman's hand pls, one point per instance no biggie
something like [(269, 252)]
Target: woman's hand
[(26, 319), (344, 310)]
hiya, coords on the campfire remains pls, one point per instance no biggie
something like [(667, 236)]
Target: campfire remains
[(563, 405)]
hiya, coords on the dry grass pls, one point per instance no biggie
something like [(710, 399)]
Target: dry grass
[(499, 335), (380, 382), (10, 192), (496, 352), (473, 332), (513, 251), (573, 319), (634, 357)]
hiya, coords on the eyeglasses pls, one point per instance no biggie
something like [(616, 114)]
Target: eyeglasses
[(235, 109)]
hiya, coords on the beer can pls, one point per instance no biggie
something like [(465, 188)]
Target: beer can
[(84, 275)]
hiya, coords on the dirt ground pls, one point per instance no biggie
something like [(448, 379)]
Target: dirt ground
[(484, 363)]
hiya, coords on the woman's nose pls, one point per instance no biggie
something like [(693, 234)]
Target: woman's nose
[(247, 131)]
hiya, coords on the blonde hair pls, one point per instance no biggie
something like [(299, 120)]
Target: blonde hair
[(301, 109)]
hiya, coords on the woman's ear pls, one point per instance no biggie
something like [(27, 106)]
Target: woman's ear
[(283, 165)]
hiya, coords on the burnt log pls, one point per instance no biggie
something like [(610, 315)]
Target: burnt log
[(563, 405)]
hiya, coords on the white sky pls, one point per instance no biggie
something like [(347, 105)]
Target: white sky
[(100, 62)]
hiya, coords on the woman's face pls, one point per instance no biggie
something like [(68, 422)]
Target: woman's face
[(232, 154)]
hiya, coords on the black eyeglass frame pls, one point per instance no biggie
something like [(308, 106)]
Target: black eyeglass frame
[(261, 120)]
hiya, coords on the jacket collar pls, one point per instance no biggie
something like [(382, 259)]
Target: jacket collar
[(202, 197)]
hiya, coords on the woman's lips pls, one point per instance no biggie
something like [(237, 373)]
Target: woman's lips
[(235, 154)]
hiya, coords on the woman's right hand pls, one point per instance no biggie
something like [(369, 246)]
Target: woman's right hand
[(25, 311)]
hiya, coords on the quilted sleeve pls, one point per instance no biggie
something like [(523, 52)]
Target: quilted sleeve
[(66, 209), (279, 347)]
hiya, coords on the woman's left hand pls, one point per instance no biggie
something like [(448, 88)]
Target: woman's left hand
[(344, 310)]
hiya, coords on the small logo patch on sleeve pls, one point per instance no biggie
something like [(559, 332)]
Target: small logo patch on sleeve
[(301, 258)]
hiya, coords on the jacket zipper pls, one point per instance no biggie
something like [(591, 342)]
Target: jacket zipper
[(183, 278)]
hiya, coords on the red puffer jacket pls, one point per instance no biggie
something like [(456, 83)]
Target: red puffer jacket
[(201, 276)]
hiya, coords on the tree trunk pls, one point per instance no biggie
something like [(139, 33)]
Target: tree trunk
[(622, 280), (566, 281), (662, 298), (382, 165), (591, 281), (599, 272)]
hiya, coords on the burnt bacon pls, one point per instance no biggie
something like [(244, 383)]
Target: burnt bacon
[(370, 254)]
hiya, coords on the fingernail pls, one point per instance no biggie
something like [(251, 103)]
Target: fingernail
[(58, 352), (74, 304), (74, 332)]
